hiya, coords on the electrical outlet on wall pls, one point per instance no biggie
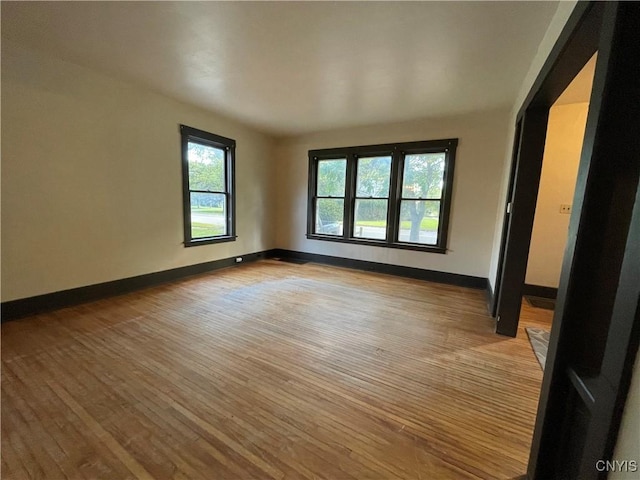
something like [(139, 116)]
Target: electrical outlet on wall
[(565, 208)]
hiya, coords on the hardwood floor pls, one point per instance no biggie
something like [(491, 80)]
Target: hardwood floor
[(270, 370)]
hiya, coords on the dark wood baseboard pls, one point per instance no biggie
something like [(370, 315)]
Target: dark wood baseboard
[(410, 272), (533, 290), (24, 307), (539, 291), (489, 297)]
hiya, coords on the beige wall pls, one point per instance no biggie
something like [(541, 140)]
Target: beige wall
[(91, 179), (91, 187), (64, 227), (565, 133), (477, 177)]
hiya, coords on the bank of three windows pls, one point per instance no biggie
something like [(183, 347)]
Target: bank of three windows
[(394, 195)]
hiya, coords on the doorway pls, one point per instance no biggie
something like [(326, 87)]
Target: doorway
[(563, 145), (570, 57), (596, 323)]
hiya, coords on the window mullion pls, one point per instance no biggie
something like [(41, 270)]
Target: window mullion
[(191, 190), (314, 214), (441, 215), (395, 189), (227, 185), (350, 193), (231, 214), (186, 193), (313, 194), (436, 199), (446, 194)]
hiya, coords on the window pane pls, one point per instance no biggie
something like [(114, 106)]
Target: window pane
[(419, 221), (208, 215), (329, 215), (370, 219), (373, 177), (423, 175), (331, 178), (206, 167)]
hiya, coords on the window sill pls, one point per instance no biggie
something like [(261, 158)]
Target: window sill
[(379, 243), (209, 241)]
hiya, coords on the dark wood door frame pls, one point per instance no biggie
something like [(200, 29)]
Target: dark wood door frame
[(493, 303), (575, 46), (520, 211), (596, 325)]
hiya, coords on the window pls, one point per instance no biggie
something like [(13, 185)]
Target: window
[(373, 177), (208, 187), (329, 199), (395, 195)]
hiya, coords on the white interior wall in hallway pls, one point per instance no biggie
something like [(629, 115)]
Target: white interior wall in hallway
[(565, 133)]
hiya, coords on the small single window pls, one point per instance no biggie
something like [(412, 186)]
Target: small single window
[(208, 187)]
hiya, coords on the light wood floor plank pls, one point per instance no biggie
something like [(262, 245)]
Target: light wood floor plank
[(271, 370)]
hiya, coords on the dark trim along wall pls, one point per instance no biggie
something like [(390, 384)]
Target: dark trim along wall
[(539, 291), (66, 298), (410, 272), (23, 307), (489, 297), (527, 289)]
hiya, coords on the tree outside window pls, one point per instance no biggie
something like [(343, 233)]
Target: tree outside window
[(395, 195), (208, 179)]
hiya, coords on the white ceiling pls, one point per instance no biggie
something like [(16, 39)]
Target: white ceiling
[(295, 67)]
